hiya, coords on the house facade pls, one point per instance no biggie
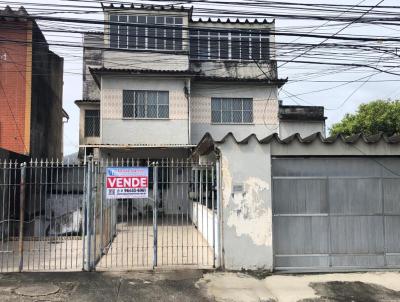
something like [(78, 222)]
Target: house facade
[(158, 77), (31, 79)]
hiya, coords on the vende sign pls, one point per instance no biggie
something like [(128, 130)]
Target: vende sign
[(126, 182)]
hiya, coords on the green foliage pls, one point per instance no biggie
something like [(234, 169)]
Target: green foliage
[(371, 118)]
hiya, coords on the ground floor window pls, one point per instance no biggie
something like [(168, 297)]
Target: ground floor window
[(232, 110), (92, 123), (145, 104)]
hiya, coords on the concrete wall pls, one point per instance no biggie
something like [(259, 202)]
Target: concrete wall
[(265, 109), (304, 128), (246, 205), (92, 57), (117, 130), (46, 105)]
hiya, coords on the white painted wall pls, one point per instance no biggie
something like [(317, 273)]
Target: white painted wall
[(246, 215)]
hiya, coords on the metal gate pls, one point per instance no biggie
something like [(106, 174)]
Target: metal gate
[(56, 216), (336, 213)]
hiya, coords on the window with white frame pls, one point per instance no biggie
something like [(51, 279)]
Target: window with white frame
[(236, 45), (146, 32), (145, 104), (232, 110), (92, 123)]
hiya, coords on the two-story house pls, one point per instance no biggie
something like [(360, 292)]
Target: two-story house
[(156, 77)]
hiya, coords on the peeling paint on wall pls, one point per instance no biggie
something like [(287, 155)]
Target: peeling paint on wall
[(248, 212)]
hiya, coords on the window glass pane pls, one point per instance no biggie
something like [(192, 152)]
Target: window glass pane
[(237, 104), (141, 32), (247, 116), (113, 32), (224, 45), (151, 111), (226, 104), (264, 46), (163, 111), (140, 111), (151, 98), (255, 46), (203, 44), (128, 110), (140, 98), (160, 32), (214, 45), (247, 104), (216, 104), (163, 98), (226, 116), (178, 33), (169, 33), (132, 32), (123, 36), (216, 116), (235, 42), (245, 45), (151, 32), (237, 116), (194, 44)]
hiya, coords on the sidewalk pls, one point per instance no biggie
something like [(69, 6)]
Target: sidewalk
[(196, 285)]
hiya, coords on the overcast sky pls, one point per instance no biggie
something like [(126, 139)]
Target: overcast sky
[(307, 91)]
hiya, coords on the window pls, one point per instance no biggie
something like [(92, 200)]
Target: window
[(92, 123), (237, 45), (145, 104), (146, 32), (231, 111)]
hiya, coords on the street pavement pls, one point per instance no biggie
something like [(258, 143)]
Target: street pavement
[(198, 285)]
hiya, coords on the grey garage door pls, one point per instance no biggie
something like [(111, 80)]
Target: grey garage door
[(336, 213)]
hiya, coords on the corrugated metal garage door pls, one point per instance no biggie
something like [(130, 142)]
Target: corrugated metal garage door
[(336, 213)]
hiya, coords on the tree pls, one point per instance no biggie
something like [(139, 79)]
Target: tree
[(371, 118)]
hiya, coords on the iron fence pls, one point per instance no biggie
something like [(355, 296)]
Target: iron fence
[(56, 216)]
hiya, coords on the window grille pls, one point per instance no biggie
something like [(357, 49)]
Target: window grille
[(231, 110), (145, 104), (236, 45), (92, 123), (162, 32)]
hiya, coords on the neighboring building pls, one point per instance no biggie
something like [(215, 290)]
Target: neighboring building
[(158, 77), (31, 83), (304, 120)]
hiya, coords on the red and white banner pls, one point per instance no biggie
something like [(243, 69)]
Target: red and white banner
[(127, 182)]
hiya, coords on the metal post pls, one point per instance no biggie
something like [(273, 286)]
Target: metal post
[(155, 195), (219, 213), (88, 215), (22, 215)]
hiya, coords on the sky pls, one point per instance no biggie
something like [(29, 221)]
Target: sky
[(337, 100)]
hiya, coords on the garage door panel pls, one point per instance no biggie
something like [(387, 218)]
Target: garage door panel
[(300, 235), (392, 232), (369, 261), (320, 261), (391, 196), (354, 196), (300, 196), (393, 261), (357, 234)]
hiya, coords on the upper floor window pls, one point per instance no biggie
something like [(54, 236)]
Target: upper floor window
[(145, 104), (92, 123), (231, 111), (239, 45), (146, 32)]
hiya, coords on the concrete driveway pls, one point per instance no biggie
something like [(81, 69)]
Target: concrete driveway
[(197, 285)]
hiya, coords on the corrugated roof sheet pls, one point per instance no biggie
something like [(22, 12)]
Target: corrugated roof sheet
[(255, 21), (352, 139), (87, 101), (138, 71), (148, 7)]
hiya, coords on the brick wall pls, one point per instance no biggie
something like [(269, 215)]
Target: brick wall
[(14, 72)]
